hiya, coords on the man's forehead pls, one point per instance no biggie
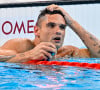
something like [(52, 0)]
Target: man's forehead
[(54, 18)]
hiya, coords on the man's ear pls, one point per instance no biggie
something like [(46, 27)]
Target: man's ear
[(37, 31)]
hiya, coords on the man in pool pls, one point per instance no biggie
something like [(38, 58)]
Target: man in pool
[(49, 36)]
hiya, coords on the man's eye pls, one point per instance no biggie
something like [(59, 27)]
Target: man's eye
[(62, 26), (51, 25)]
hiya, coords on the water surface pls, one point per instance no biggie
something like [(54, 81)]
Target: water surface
[(42, 77)]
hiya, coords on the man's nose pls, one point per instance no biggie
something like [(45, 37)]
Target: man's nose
[(58, 31)]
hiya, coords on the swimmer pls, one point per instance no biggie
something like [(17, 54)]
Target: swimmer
[(49, 37)]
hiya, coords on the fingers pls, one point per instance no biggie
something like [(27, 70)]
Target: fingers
[(52, 7), (43, 55), (48, 44), (49, 49), (46, 54), (43, 51)]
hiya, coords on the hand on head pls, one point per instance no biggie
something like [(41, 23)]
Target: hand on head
[(67, 17), (53, 7)]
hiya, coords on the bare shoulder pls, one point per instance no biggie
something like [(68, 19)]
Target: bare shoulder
[(18, 44)]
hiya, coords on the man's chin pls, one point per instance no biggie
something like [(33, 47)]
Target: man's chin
[(58, 46)]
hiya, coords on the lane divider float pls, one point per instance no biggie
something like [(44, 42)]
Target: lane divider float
[(64, 63)]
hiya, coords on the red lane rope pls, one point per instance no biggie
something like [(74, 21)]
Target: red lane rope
[(64, 63)]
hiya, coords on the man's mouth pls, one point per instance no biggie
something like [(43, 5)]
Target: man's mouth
[(57, 39)]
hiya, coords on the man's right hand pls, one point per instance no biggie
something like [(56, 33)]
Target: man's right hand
[(68, 18), (42, 51)]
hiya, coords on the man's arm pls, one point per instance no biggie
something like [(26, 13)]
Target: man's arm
[(92, 43), (14, 46), (17, 51), (5, 58), (72, 51), (18, 58), (5, 55)]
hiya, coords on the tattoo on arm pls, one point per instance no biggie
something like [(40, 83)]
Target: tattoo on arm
[(68, 21), (5, 58), (99, 52), (93, 38), (96, 42)]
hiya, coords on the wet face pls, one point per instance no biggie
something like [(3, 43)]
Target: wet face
[(52, 29)]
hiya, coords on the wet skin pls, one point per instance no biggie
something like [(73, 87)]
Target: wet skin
[(52, 29)]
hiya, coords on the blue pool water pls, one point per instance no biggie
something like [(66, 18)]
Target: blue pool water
[(41, 77)]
